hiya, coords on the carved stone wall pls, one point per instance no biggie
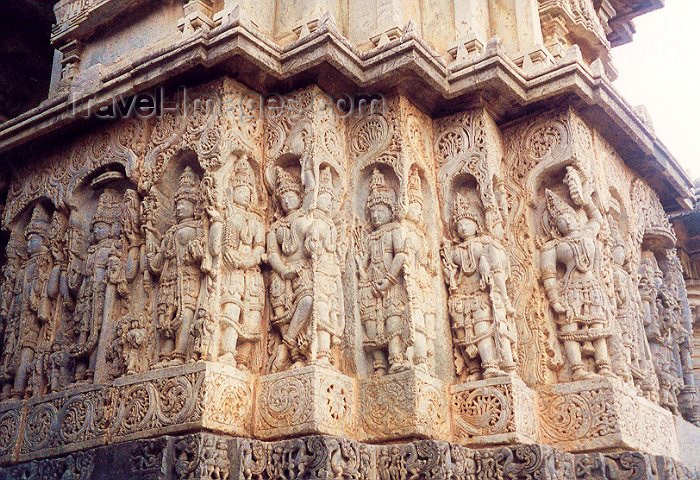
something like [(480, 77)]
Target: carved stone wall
[(378, 277)]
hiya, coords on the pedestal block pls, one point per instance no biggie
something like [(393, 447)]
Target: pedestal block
[(176, 399), (410, 404), (200, 395), (604, 414), (494, 411), (309, 400)]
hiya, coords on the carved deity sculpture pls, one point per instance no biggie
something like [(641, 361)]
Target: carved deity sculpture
[(305, 291), (9, 310), (93, 283), (578, 297), (476, 269), (177, 261), (422, 267), (628, 313), (238, 242), (34, 305), (389, 315)]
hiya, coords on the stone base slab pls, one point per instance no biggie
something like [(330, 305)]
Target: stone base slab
[(410, 404), (688, 436), (494, 411), (200, 395), (199, 456), (305, 401), (604, 414)]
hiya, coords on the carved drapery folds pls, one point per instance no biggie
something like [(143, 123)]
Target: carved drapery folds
[(370, 270)]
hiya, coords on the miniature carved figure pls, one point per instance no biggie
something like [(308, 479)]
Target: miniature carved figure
[(476, 269), (177, 260), (11, 299), (578, 297)]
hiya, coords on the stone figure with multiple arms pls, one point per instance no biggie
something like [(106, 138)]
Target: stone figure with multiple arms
[(578, 297), (476, 268)]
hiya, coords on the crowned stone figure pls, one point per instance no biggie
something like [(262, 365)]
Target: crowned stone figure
[(177, 260), (578, 297), (476, 269)]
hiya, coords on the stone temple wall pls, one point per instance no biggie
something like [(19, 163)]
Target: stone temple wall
[(228, 290)]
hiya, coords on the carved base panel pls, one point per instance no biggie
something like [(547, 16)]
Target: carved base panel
[(200, 456), (304, 401), (604, 414), (494, 411), (409, 404), (10, 424), (200, 395), (688, 442)]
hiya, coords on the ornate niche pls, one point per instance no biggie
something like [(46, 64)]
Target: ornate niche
[(490, 404), (309, 347), (664, 306), (396, 263)]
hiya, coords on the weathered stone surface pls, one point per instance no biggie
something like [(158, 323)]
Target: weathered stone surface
[(494, 411), (241, 287)]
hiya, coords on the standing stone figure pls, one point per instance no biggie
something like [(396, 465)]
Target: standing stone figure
[(305, 287), (579, 297), (9, 310), (476, 269), (386, 307), (92, 280), (34, 307), (422, 270), (238, 241), (177, 260)]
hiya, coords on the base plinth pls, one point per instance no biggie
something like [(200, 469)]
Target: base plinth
[(304, 401), (494, 411), (409, 404), (604, 414)]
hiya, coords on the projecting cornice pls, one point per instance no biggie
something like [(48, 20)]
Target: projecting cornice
[(407, 64)]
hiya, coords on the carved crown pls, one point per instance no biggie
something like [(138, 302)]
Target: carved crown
[(556, 206), (243, 175), (109, 208), (39, 223), (379, 192), (462, 209), (188, 187), (285, 182)]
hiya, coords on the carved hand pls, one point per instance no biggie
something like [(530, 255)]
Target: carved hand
[(558, 307)]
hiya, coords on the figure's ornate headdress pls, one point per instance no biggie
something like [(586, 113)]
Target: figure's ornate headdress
[(109, 208), (285, 182), (379, 192), (462, 209), (243, 175), (326, 182), (39, 223), (188, 188), (415, 192), (556, 206)]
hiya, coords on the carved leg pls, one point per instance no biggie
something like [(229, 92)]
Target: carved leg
[(572, 349), (487, 350), (324, 348), (420, 346), (602, 359), (26, 364), (397, 350), (183, 337), (229, 334)]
